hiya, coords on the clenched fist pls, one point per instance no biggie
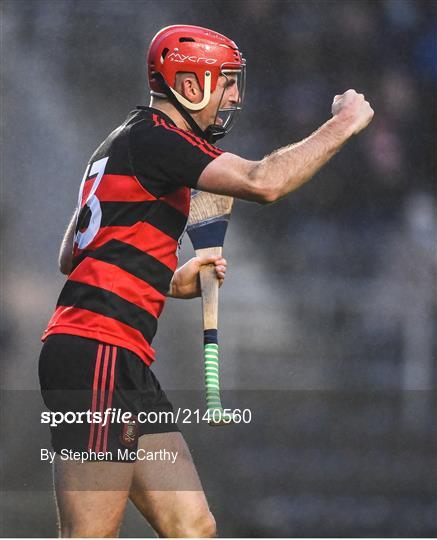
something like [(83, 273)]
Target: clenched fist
[(353, 110)]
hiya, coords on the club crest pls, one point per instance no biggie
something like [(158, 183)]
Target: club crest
[(129, 433)]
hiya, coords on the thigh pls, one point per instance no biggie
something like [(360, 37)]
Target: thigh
[(169, 495), (91, 497)]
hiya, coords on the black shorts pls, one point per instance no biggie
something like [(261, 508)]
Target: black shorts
[(80, 375)]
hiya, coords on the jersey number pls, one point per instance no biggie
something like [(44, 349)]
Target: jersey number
[(92, 202)]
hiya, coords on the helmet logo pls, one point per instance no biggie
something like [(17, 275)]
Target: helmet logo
[(180, 58)]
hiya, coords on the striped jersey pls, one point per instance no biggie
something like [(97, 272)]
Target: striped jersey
[(133, 206)]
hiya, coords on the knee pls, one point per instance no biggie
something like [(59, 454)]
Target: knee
[(206, 526), (202, 526)]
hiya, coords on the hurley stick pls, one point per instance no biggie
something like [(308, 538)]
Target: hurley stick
[(207, 224)]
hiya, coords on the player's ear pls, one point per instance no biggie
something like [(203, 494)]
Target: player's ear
[(190, 88)]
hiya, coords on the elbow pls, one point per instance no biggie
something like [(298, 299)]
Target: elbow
[(64, 270), (266, 194), (268, 197)]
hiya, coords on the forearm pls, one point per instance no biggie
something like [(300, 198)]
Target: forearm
[(288, 168), (184, 292), (171, 290), (65, 258)]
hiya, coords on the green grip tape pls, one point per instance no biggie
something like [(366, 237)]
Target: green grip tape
[(212, 381), (212, 384)]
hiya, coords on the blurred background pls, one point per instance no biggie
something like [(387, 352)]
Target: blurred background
[(328, 313)]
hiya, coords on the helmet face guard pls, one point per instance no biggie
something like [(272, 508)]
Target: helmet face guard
[(225, 118), (206, 54)]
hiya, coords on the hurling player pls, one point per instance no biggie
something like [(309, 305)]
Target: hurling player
[(120, 257)]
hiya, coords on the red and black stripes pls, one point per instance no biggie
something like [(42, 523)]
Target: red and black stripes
[(132, 261), (125, 257), (142, 236), (202, 144), (126, 214), (109, 304), (102, 397), (89, 324)]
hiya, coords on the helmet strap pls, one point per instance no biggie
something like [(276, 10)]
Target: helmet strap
[(206, 95)]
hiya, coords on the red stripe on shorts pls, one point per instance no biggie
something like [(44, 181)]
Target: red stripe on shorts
[(95, 391), (110, 394), (102, 396)]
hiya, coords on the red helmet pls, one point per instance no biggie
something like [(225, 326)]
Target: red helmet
[(186, 48)]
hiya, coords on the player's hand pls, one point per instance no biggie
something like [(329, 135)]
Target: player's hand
[(352, 109), (186, 281)]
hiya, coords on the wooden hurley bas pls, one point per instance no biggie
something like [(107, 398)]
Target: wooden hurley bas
[(207, 224)]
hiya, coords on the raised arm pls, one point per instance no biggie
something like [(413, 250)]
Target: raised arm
[(65, 258), (288, 168)]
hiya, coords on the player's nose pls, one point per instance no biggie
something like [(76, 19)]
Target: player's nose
[(234, 94)]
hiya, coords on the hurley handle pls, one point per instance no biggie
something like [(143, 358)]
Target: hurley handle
[(209, 286)]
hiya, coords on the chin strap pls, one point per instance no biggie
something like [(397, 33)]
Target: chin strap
[(211, 134), (214, 133)]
